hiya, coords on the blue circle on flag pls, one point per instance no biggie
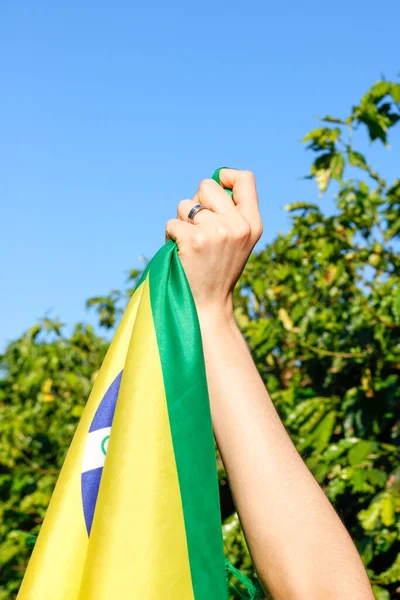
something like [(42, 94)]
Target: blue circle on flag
[(90, 479)]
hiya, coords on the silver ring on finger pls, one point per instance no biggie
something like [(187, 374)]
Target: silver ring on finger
[(193, 212)]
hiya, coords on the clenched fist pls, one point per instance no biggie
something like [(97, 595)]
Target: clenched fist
[(215, 247)]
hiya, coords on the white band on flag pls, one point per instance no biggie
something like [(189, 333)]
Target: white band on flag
[(95, 449)]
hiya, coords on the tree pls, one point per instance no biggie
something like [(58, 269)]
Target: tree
[(320, 309)]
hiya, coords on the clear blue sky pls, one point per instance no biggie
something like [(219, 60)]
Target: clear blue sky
[(111, 112)]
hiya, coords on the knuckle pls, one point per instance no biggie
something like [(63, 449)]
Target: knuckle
[(198, 240), (206, 186), (243, 231), (248, 175), (258, 230), (222, 233)]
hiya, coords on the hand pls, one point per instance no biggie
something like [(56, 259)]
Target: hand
[(215, 249)]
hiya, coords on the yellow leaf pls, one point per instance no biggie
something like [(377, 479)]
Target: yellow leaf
[(46, 395), (270, 360), (286, 320), (387, 511), (77, 411), (46, 387), (366, 383), (322, 177), (47, 398)]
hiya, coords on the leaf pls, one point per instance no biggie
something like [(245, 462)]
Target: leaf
[(300, 205), (320, 471), (323, 138), (360, 483), (312, 421), (395, 91), (360, 451), (323, 432), (47, 398), (336, 487), (377, 477), (329, 119), (369, 517), (388, 515), (365, 547), (285, 319), (322, 178), (380, 593), (336, 450), (47, 385), (321, 169), (393, 230), (34, 331), (337, 166), (77, 411), (282, 272), (330, 274), (379, 90), (259, 287), (303, 410), (396, 304), (356, 159), (377, 127)]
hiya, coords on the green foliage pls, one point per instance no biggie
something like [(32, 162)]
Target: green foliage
[(320, 309)]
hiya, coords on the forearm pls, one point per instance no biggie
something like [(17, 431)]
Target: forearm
[(298, 544)]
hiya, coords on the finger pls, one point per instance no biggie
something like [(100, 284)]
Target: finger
[(177, 230), (244, 191), (184, 208), (214, 197)]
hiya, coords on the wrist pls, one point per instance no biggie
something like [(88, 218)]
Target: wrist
[(215, 318)]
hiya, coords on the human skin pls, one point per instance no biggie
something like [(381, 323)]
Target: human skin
[(299, 546)]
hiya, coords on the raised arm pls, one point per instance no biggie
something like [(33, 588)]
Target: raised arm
[(298, 544)]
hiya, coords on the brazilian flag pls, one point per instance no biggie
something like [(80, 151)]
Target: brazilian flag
[(135, 512)]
